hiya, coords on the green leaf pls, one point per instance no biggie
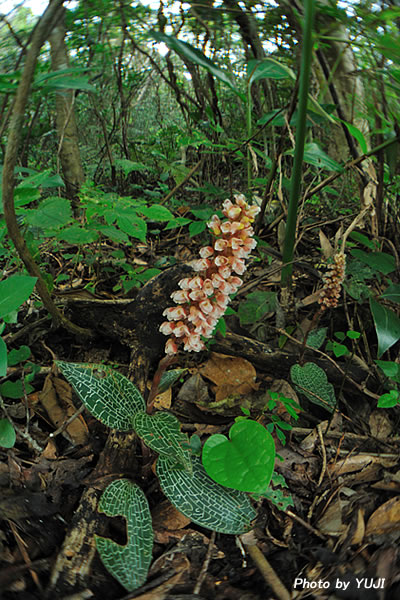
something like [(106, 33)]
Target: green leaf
[(379, 261), (256, 306), (177, 222), (108, 395), (129, 564), (134, 226), (60, 82), (390, 368), (52, 213), (312, 381), (389, 400), (115, 234), (316, 337), (157, 213), (363, 239), (15, 389), (197, 227), (387, 326), (3, 358), (267, 68), (77, 235), (14, 291), (162, 432), (202, 500), (314, 155), (243, 462), (128, 165), (355, 132), (195, 56), (392, 293), (7, 434), (17, 355), (168, 378)]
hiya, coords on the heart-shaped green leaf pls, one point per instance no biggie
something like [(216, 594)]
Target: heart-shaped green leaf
[(202, 500), (243, 462), (162, 433), (107, 394), (130, 563), (312, 381)]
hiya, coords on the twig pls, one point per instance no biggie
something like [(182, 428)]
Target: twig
[(204, 567), (295, 517), (25, 555), (64, 426), (266, 570), (321, 476)]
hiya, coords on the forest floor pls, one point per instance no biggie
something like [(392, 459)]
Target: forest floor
[(337, 539)]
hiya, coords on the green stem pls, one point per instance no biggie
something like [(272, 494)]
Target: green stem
[(248, 119), (286, 278)]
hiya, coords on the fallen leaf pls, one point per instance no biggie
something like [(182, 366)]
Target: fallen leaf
[(231, 375), (385, 520), (380, 424), (56, 399)]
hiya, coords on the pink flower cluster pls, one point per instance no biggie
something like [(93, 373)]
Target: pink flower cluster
[(202, 300)]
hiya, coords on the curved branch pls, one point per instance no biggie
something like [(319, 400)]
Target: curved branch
[(42, 30)]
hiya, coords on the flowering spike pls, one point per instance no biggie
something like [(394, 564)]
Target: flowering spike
[(333, 279), (203, 299)]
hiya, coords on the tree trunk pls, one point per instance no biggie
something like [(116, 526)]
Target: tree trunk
[(68, 149)]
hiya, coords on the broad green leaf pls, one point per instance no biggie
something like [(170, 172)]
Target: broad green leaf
[(390, 368), (7, 434), (129, 564), (108, 395), (15, 389), (392, 293), (60, 82), (77, 235), (115, 234), (17, 355), (3, 358), (52, 213), (314, 155), (14, 291), (195, 56), (267, 68), (387, 326), (157, 213), (162, 432), (389, 400), (363, 239), (203, 500), (379, 261), (312, 381), (197, 227), (355, 132), (177, 222), (134, 226), (243, 462)]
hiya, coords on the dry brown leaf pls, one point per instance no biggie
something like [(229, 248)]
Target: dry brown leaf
[(180, 565), (163, 401), (385, 520), (326, 246), (380, 425), (56, 399), (166, 516), (231, 375), (331, 522), (361, 467)]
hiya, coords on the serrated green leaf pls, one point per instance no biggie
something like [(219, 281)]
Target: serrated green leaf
[(77, 235), (14, 291), (202, 500), (243, 462), (52, 213), (162, 432), (7, 434), (197, 227), (312, 381), (134, 226), (387, 326), (108, 395), (157, 213), (129, 564), (128, 165)]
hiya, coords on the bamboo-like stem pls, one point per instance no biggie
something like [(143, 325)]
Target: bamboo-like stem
[(305, 68)]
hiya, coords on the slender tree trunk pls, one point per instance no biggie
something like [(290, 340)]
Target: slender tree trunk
[(68, 149)]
